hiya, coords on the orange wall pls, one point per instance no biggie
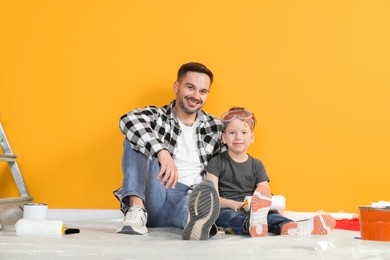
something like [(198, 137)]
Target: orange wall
[(316, 74)]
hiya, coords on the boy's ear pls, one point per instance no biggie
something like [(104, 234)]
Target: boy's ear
[(252, 137), (223, 138)]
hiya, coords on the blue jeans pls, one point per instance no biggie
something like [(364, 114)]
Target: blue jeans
[(165, 207), (236, 221)]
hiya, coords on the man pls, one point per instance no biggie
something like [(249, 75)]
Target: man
[(165, 153)]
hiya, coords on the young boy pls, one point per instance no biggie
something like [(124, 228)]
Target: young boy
[(236, 174)]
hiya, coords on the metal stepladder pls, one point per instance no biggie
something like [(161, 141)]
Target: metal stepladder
[(9, 157)]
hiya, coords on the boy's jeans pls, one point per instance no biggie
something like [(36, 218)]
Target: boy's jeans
[(165, 207), (236, 221)]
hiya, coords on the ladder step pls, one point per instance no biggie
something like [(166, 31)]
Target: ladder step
[(5, 203), (8, 157)]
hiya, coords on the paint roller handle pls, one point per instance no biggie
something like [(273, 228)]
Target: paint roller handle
[(69, 231)]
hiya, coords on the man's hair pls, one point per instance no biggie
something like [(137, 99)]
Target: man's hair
[(194, 67)]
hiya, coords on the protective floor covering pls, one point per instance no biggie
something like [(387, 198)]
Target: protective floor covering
[(97, 240)]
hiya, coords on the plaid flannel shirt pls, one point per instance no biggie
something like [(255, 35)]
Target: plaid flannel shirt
[(151, 129)]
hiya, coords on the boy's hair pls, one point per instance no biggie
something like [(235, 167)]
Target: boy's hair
[(250, 121), (194, 67)]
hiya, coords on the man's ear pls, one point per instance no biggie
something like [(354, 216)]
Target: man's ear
[(176, 86)]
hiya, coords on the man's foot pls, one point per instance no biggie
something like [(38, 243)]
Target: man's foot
[(318, 225), (134, 222), (204, 210), (260, 205)]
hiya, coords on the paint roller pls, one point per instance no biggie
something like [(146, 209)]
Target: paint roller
[(39, 228), (35, 223)]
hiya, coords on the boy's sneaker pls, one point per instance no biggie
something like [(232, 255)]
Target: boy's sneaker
[(318, 225), (204, 210), (134, 222), (260, 205)]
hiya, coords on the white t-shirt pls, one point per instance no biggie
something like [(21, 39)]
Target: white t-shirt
[(186, 156)]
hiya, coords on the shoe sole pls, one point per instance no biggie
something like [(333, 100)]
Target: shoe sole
[(260, 205), (128, 230), (321, 225), (204, 210)]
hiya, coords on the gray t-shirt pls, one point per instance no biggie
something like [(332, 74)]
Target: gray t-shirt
[(237, 180)]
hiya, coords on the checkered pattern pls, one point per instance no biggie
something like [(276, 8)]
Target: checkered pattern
[(152, 129)]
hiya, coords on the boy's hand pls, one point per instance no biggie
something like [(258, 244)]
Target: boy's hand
[(236, 205)]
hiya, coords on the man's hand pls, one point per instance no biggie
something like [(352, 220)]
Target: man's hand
[(168, 170)]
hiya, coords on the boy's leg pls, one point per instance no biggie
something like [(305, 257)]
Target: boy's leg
[(260, 205), (318, 225), (204, 211), (276, 222), (233, 222)]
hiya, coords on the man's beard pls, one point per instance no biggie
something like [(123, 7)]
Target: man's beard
[(188, 110)]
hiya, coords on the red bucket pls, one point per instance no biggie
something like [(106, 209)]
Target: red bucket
[(375, 223)]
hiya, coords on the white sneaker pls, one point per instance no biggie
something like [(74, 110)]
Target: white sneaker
[(260, 206), (318, 225), (203, 205), (134, 222)]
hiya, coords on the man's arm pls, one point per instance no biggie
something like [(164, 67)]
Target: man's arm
[(137, 127)]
